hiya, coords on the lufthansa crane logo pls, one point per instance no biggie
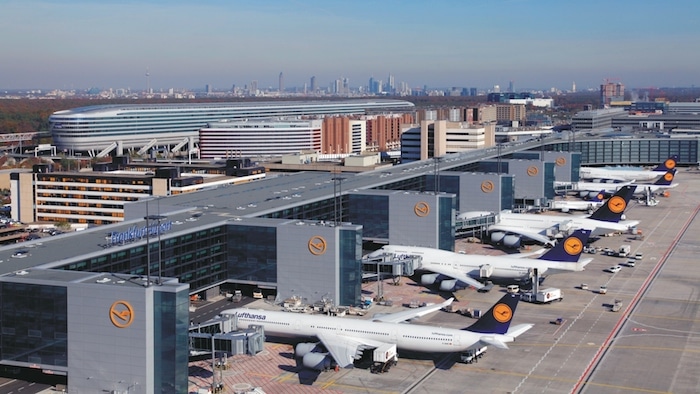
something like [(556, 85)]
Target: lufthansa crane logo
[(121, 314), (670, 164), (487, 186), (668, 177), (502, 313), (317, 245), (532, 171), (616, 204), (600, 196), (573, 246), (560, 161), (421, 209)]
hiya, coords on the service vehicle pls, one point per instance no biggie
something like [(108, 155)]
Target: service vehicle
[(384, 357), (624, 251), (472, 355), (614, 269), (543, 296), (631, 262)]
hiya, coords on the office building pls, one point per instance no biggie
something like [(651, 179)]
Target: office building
[(438, 138)]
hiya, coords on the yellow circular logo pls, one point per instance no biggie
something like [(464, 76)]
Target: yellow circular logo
[(487, 186), (421, 209), (560, 161), (317, 245), (502, 313), (532, 171), (573, 246), (121, 314), (668, 177), (616, 204), (670, 164)]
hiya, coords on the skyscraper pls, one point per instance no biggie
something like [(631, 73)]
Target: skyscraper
[(313, 83), (281, 85)]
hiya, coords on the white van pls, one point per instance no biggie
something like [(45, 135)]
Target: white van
[(513, 289), (639, 256)]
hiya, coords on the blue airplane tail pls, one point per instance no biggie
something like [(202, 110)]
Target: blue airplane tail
[(666, 179), (569, 249), (613, 209), (498, 318), (667, 164), (600, 196)]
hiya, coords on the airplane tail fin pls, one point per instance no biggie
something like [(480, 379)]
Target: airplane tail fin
[(569, 249), (600, 196), (666, 179), (612, 210), (667, 164), (498, 318)]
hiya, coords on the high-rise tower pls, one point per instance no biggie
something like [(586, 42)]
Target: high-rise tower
[(281, 86)]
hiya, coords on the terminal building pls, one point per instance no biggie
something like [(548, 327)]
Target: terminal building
[(138, 125), (298, 234)]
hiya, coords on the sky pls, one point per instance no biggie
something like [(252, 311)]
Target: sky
[(537, 44)]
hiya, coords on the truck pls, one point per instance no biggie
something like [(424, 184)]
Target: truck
[(384, 357), (624, 251), (543, 296), (472, 355)]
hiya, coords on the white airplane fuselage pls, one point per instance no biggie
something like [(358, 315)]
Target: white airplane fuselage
[(415, 337), (540, 223), (453, 264), (565, 205), (611, 173)]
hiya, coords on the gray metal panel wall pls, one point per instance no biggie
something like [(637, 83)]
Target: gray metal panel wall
[(307, 261), (479, 191), (100, 354), (529, 178), (413, 219)]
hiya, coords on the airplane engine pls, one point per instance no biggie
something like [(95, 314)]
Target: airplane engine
[(428, 279), (497, 236), (304, 348), (565, 209), (317, 361), (511, 241), (448, 285)]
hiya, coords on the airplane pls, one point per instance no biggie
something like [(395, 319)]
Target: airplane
[(579, 205), (591, 189), (511, 228), (448, 268), (343, 340), (664, 182), (628, 174)]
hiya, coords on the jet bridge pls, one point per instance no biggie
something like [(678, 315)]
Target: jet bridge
[(146, 147)]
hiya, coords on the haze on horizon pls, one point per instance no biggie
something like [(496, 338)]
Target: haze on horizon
[(66, 44)]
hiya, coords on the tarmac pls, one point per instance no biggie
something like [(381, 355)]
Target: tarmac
[(651, 345)]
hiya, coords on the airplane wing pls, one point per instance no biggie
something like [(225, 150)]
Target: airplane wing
[(409, 314), (543, 239), (345, 349), (530, 254)]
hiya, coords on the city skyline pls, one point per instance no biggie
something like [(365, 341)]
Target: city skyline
[(78, 44)]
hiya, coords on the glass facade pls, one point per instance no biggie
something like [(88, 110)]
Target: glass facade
[(507, 192), (549, 180), (252, 253), (372, 212), (446, 222), (171, 341), (197, 258), (350, 266), (647, 151), (34, 324)]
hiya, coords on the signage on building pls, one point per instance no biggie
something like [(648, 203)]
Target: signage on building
[(421, 209), (487, 186), (134, 232), (121, 314), (317, 245), (532, 171)]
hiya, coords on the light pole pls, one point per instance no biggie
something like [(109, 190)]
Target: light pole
[(148, 219)]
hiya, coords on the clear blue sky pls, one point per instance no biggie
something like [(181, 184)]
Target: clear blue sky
[(438, 43)]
